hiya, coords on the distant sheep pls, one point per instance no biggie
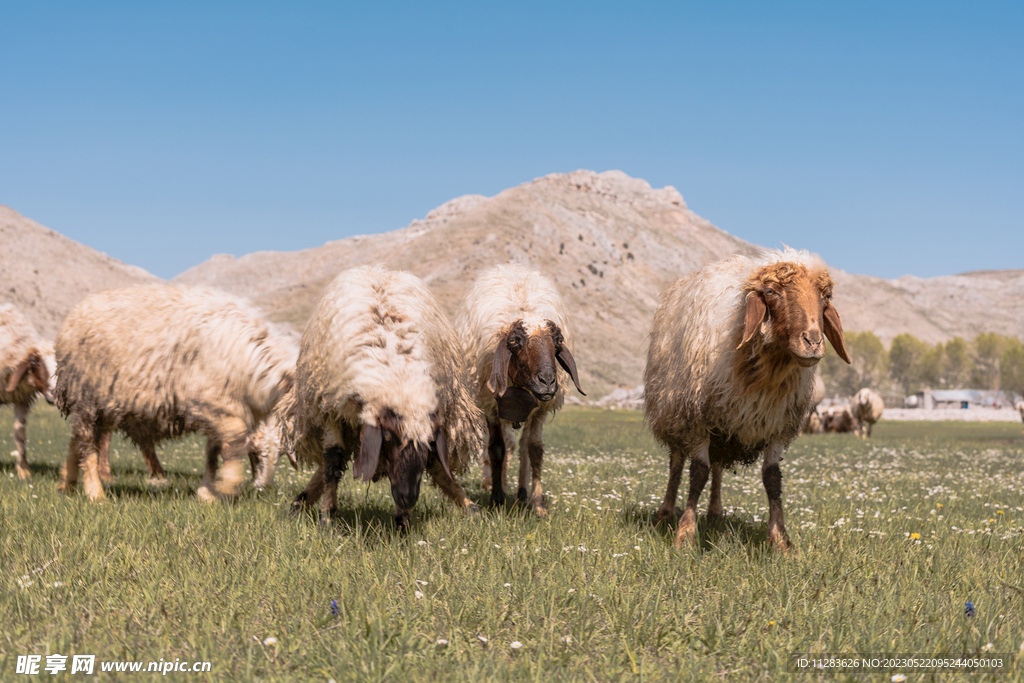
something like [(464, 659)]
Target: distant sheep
[(158, 361), (1020, 409), (380, 380), (514, 330), (839, 420), (867, 408), (26, 370), (730, 373)]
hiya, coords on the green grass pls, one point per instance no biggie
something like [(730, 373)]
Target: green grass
[(153, 573)]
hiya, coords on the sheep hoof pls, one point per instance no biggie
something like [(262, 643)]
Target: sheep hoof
[(155, 482), (327, 517), (299, 505), (665, 517), (521, 495), (497, 499), (540, 511), (206, 495), (473, 509), (23, 473), (714, 518), (402, 521)]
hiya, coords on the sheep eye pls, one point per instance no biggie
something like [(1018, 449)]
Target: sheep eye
[(387, 435), (513, 343)]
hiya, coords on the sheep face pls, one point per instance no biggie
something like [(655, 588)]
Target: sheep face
[(33, 369), (791, 306), (525, 360), (405, 459)]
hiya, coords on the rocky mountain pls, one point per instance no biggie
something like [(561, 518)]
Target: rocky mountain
[(610, 242), (45, 274)]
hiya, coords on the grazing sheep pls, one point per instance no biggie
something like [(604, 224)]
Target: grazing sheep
[(26, 369), (380, 379), (514, 329), (158, 361), (839, 420), (1020, 409), (730, 373), (867, 408)]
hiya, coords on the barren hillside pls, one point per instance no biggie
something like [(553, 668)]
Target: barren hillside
[(45, 274), (610, 242)]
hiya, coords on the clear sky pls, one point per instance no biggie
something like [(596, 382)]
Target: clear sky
[(889, 137)]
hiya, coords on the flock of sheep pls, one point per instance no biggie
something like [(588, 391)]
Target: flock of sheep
[(383, 383)]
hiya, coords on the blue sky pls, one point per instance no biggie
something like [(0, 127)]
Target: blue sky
[(889, 137)]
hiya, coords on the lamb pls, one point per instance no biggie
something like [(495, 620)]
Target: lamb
[(730, 373), (867, 408), (514, 328), (380, 379), (159, 361), (26, 370)]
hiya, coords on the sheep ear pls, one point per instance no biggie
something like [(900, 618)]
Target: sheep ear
[(19, 373), (369, 453), (441, 446), (834, 331), (756, 312), (498, 381), (568, 364)]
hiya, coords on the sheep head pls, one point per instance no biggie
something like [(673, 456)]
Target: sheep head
[(33, 369), (524, 361), (405, 459), (791, 306)]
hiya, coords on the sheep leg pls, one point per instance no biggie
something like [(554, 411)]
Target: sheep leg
[(715, 505), (21, 464), (157, 476), (311, 494), (699, 466), (667, 511), (531, 452), (263, 466), (83, 457), (104, 459), (206, 486), (771, 476), (450, 487), (496, 453)]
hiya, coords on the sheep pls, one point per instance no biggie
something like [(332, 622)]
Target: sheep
[(730, 373), (26, 370), (867, 408), (1020, 409), (514, 328), (839, 420), (380, 381), (159, 361)]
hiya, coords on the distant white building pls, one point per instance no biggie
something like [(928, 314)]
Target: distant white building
[(965, 399)]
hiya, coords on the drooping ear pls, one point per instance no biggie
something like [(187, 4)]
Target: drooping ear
[(834, 331), (40, 375), (756, 312), (19, 373), (441, 445), (568, 364), (369, 453), (498, 381)]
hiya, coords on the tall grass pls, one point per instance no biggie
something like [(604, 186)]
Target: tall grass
[(894, 534)]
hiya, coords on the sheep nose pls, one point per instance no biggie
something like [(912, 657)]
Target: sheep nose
[(812, 338), (547, 379)]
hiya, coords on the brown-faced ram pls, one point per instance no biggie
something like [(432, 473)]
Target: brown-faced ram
[(26, 371), (730, 373), (380, 379), (515, 332), (158, 361)]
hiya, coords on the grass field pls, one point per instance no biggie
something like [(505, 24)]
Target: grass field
[(894, 536)]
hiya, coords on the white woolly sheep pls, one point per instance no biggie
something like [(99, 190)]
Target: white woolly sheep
[(26, 370), (867, 408), (514, 328), (159, 361), (730, 373), (380, 379)]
